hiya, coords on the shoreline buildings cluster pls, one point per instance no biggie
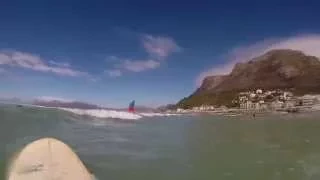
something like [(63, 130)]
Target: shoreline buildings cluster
[(260, 100)]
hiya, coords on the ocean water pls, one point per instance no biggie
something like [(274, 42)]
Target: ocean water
[(269, 147)]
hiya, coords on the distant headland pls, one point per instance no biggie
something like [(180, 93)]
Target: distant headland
[(278, 79)]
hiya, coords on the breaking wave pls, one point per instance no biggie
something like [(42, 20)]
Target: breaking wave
[(103, 113)]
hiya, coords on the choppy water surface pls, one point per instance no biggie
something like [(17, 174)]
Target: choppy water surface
[(273, 147)]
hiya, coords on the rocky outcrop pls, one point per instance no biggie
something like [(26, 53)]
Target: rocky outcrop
[(277, 69), (211, 82)]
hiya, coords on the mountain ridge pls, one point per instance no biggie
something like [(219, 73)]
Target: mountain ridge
[(277, 69), (65, 104)]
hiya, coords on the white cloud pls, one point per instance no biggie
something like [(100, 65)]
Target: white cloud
[(309, 44), (94, 79), (132, 66), (112, 59), (159, 47), (114, 72), (138, 66), (61, 64), (34, 62)]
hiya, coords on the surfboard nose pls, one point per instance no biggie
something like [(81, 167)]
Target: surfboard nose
[(47, 158)]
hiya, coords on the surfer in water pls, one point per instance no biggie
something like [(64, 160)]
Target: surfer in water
[(131, 107)]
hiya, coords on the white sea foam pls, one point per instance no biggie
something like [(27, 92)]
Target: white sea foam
[(157, 114), (103, 113)]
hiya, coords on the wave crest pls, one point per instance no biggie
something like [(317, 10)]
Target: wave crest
[(113, 114)]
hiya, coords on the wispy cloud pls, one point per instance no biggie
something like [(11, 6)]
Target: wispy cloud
[(309, 44), (114, 72), (138, 66), (61, 64), (36, 63), (132, 66), (112, 59), (159, 47)]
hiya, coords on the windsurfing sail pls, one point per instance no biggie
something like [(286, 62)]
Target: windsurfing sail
[(131, 106)]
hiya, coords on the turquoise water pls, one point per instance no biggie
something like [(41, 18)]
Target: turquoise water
[(273, 147)]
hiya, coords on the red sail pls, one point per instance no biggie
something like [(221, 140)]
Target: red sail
[(131, 106)]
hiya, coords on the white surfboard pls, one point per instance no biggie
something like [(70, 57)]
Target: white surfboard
[(47, 159)]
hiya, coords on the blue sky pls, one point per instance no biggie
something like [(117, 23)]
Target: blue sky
[(156, 52)]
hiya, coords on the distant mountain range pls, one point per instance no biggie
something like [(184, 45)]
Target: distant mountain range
[(64, 104), (167, 107), (277, 69), (83, 105), (11, 100)]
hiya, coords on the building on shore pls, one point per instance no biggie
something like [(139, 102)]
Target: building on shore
[(309, 100), (259, 100), (203, 108), (274, 100), (276, 105)]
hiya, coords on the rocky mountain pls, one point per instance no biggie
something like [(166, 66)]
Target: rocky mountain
[(65, 104), (166, 107), (277, 69), (211, 82)]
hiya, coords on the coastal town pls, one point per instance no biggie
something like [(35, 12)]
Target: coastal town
[(263, 101)]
